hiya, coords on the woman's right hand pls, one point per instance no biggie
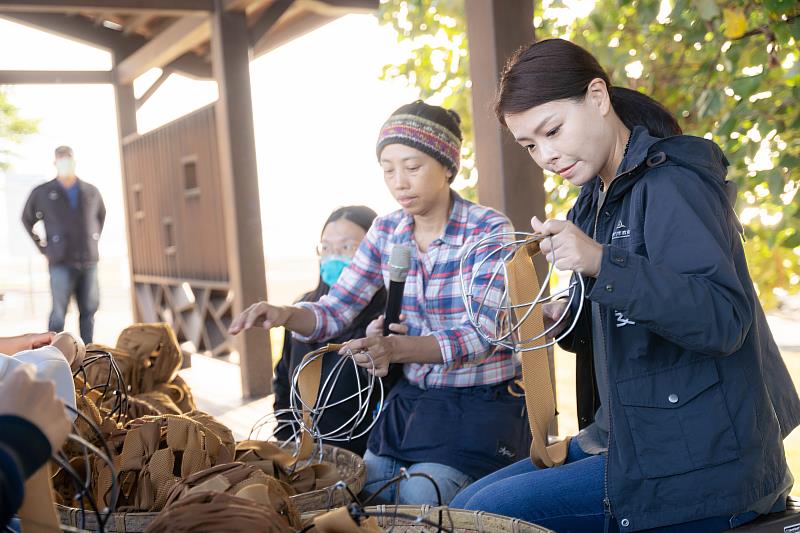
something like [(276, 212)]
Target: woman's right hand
[(262, 315), (25, 396), (551, 312)]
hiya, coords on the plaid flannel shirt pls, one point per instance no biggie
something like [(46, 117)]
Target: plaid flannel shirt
[(432, 300)]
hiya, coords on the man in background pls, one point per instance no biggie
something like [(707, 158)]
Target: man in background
[(73, 214)]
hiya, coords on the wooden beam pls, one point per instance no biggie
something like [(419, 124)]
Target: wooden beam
[(240, 197), (12, 77), (340, 7), (83, 30), (136, 23), (175, 41), (76, 28), (290, 28), (165, 73), (161, 7), (267, 20)]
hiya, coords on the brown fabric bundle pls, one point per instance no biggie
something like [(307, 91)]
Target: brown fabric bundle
[(179, 392), (149, 357), (139, 407), (161, 403), (222, 432), (217, 512), (155, 349), (278, 463), (242, 480), (340, 521), (155, 452), (64, 486)]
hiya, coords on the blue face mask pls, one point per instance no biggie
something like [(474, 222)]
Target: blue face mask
[(331, 267)]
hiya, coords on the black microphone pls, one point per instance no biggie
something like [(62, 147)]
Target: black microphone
[(399, 264)]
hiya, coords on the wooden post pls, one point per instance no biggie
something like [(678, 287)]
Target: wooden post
[(237, 152), (508, 179), (126, 125)]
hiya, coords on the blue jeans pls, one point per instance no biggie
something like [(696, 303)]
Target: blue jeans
[(568, 498), (414, 491), (82, 282)]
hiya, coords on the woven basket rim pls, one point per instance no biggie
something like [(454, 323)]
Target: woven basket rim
[(462, 518)]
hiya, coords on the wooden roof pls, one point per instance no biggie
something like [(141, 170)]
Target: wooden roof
[(174, 34)]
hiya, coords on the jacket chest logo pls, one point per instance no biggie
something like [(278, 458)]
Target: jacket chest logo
[(53, 195), (620, 231)]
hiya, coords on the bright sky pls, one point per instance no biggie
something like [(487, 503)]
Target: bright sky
[(317, 113)]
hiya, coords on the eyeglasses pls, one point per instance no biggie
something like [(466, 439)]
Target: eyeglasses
[(348, 248)]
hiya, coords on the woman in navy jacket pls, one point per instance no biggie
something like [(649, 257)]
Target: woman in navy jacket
[(694, 398)]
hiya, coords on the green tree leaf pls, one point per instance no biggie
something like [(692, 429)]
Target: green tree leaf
[(13, 129)]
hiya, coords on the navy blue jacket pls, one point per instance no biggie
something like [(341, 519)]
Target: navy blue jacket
[(72, 234), (23, 450), (700, 399)]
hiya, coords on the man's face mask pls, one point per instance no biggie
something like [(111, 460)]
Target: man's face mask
[(65, 166), (331, 267)]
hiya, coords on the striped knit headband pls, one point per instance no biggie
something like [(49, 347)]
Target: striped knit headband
[(432, 130)]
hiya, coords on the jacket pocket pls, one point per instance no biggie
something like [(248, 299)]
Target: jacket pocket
[(56, 249), (679, 420)]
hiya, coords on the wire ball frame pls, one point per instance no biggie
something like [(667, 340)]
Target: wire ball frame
[(291, 418), (83, 484), (489, 258), (112, 386)]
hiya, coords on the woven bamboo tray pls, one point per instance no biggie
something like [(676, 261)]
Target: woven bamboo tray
[(350, 466), (456, 520)]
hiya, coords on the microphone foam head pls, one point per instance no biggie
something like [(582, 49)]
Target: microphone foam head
[(399, 262)]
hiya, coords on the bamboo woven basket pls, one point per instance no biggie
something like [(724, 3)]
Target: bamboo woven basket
[(350, 466), (455, 520)]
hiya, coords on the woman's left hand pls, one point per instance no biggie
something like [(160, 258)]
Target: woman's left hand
[(375, 328), (569, 248), (372, 353)]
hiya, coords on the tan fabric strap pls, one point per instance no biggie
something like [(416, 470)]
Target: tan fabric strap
[(523, 287), (38, 511)]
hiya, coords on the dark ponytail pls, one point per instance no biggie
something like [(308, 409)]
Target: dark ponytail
[(637, 109), (555, 69)]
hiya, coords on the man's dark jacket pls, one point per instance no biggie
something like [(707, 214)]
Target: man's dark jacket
[(72, 233)]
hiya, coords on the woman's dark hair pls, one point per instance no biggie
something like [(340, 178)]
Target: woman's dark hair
[(361, 216), (555, 69)]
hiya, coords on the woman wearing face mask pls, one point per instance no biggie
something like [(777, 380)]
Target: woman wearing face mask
[(341, 235), (694, 397), (451, 415)]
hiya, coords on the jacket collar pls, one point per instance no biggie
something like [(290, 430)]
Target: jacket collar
[(639, 146), (55, 183)]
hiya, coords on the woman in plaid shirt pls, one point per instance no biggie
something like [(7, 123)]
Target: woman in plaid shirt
[(451, 415)]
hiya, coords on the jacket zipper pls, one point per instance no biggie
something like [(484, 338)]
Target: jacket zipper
[(607, 511), (606, 500)]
